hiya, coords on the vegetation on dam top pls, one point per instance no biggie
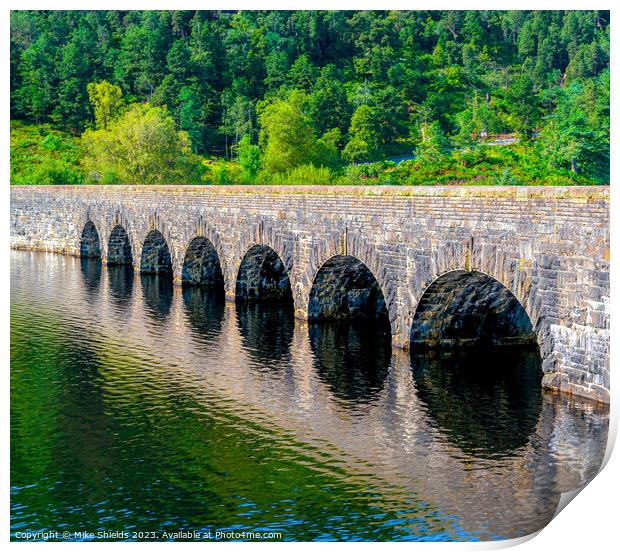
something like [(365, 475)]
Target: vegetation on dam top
[(310, 97)]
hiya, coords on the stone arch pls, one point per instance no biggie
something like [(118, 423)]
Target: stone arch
[(90, 241), (354, 244), (119, 247), (468, 254), (125, 218), (200, 228), (155, 257), (157, 228), (469, 307), (344, 288), (263, 276), (201, 264)]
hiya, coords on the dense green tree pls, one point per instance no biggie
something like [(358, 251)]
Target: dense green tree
[(107, 102), (286, 137), (248, 156), (143, 146), (471, 71), (569, 140), (364, 134)]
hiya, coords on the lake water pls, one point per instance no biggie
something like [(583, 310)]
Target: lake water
[(143, 409)]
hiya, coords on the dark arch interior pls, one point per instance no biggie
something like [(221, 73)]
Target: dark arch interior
[(463, 308), (119, 247), (262, 276), (201, 265), (90, 246), (345, 289), (155, 255)]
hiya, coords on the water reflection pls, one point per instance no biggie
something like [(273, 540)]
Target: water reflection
[(352, 358), (157, 293), (266, 330), (204, 310), (120, 280), (91, 271), (484, 401)]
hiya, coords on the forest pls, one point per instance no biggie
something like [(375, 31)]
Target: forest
[(310, 97)]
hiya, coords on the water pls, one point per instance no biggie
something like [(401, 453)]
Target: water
[(137, 407)]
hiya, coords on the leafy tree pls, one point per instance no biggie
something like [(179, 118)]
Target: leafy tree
[(364, 135), (434, 145), (248, 156), (107, 102), (569, 140), (286, 137), (142, 146)]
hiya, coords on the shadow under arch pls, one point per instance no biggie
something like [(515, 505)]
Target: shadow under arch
[(266, 330), (344, 288), (90, 244), (204, 310), (349, 329), (201, 265), (91, 272), (120, 282), (476, 363), (485, 401), (155, 257), (352, 358), (262, 276), (157, 292), (119, 247)]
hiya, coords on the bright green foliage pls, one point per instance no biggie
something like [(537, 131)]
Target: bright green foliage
[(379, 77), (248, 157), (286, 137), (570, 140), (143, 146), (434, 145), (41, 155), (302, 174), (107, 102), (364, 135)]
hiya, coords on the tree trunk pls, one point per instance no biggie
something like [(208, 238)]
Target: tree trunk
[(573, 165)]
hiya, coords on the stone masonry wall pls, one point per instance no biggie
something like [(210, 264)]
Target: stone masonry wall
[(548, 246)]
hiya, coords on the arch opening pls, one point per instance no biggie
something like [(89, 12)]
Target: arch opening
[(463, 308), (90, 245), (262, 276), (345, 289), (201, 265), (155, 257), (119, 247)]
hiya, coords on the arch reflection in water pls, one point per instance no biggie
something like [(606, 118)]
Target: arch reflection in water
[(204, 310), (120, 280), (91, 271), (352, 358), (157, 293), (266, 330), (485, 401)]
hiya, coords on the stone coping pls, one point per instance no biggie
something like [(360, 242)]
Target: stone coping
[(583, 193)]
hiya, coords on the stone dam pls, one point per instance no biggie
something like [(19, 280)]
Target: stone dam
[(446, 266)]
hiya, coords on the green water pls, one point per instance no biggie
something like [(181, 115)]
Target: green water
[(145, 410)]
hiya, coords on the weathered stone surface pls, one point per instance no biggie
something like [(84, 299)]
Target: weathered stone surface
[(548, 246)]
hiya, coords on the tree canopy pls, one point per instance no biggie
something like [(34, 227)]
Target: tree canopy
[(322, 88)]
